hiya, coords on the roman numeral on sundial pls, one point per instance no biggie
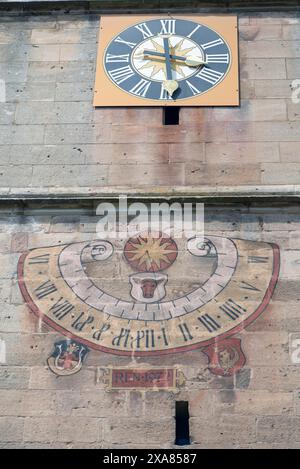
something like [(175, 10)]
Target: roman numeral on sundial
[(61, 308), (209, 323), (42, 259), (248, 286), (258, 259), (45, 289), (232, 309), (185, 332)]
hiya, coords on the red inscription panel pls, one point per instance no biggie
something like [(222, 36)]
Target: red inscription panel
[(150, 378)]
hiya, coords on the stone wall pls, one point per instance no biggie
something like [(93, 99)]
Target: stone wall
[(258, 407), (53, 143), (53, 140)]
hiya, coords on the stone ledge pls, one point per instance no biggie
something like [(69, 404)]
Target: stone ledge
[(154, 4), (238, 193)]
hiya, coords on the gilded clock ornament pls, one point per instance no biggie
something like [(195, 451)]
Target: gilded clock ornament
[(164, 61)]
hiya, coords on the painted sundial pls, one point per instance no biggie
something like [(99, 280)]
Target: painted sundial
[(151, 294)]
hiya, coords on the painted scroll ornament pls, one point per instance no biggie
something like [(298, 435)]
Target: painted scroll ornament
[(171, 296)]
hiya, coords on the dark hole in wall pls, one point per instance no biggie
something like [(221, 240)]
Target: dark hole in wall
[(182, 423), (171, 115)]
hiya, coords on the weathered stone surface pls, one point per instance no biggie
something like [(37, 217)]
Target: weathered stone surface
[(125, 431), (78, 175), (278, 429), (289, 152), (273, 88), (49, 67), (264, 132), (255, 110), (227, 431), (52, 140), (255, 403), (233, 153), (19, 92), (11, 429), (222, 174), (293, 68), (60, 429), (7, 112), (278, 173), (14, 377), (273, 49)]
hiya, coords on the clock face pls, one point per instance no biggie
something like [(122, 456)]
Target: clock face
[(136, 61), (148, 61), (150, 294)]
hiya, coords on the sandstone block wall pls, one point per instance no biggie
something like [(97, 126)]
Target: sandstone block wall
[(53, 142), (52, 139), (258, 407)]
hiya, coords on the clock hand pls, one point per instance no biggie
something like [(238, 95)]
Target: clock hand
[(169, 85), (167, 58), (190, 60), (194, 61), (161, 54)]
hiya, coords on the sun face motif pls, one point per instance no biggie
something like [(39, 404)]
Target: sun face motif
[(150, 252), (155, 67)]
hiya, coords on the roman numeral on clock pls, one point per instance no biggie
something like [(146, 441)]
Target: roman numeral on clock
[(212, 76), (232, 309), (141, 88), (121, 74), (144, 29), (194, 30), (45, 289), (210, 44), (116, 58), (217, 58), (168, 26), (164, 94), (127, 43), (193, 88), (209, 323)]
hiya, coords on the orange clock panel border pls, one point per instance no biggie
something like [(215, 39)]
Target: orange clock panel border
[(226, 93)]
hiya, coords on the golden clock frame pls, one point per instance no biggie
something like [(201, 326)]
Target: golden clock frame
[(226, 93)]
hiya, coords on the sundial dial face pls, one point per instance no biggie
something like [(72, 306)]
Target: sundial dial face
[(153, 295)]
